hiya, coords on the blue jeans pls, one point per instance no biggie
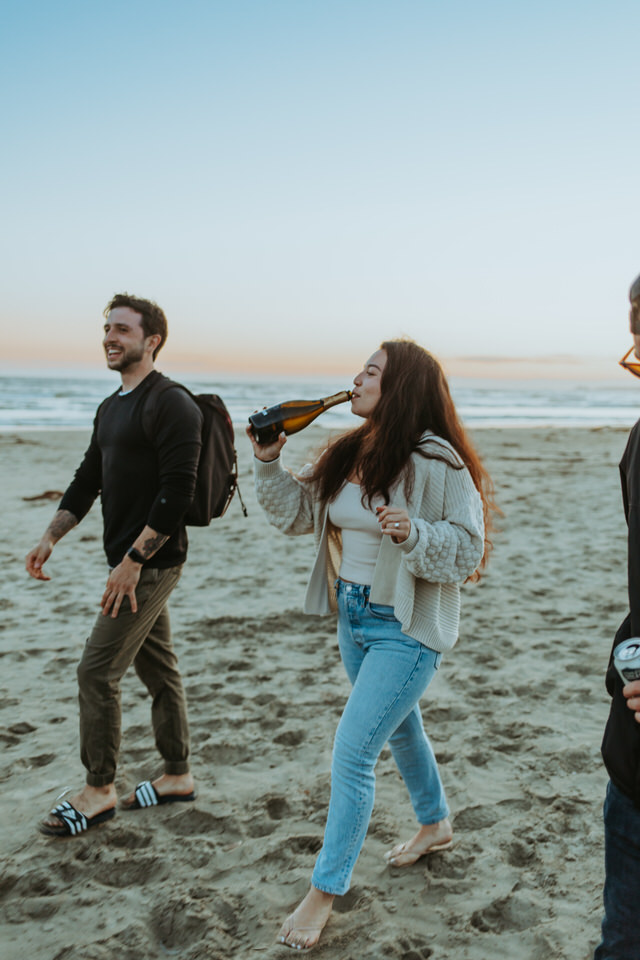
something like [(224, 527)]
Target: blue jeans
[(389, 672), (621, 922)]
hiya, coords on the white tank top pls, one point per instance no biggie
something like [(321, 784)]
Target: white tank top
[(361, 535)]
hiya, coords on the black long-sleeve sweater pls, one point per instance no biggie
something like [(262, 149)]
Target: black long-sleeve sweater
[(142, 459), (621, 742)]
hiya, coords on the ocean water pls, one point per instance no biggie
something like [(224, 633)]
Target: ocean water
[(37, 401)]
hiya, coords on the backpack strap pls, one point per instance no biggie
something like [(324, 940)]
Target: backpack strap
[(150, 402)]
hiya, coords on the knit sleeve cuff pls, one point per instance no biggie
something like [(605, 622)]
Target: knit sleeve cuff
[(269, 469), (407, 545)]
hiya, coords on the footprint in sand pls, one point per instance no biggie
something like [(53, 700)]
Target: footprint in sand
[(193, 823), (508, 913), (129, 839), (126, 871), (277, 808), (41, 760), (22, 728), (224, 754), (261, 828), (355, 898), (181, 923), (414, 948), (234, 699), (486, 815), (290, 738), (521, 853), (304, 844)]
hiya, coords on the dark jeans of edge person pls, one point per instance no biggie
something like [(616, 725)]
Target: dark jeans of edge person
[(621, 924)]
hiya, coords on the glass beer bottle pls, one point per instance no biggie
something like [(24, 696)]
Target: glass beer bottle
[(291, 416)]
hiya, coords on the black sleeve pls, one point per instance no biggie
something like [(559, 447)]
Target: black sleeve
[(177, 438), (87, 482), (630, 475)]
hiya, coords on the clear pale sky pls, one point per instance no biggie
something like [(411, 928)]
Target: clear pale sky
[(294, 181)]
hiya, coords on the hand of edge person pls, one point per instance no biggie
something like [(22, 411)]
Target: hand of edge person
[(632, 693)]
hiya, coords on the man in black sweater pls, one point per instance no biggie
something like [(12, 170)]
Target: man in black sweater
[(621, 742), (142, 460)]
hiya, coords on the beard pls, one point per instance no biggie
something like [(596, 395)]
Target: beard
[(126, 359)]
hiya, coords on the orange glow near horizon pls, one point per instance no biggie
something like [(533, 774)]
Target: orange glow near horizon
[(239, 362), (228, 361)]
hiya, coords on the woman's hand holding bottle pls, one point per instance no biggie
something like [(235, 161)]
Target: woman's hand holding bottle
[(394, 522), (266, 451)]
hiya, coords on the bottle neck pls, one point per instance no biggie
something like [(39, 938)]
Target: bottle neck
[(341, 397)]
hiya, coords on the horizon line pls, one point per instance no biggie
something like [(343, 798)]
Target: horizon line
[(551, 366)]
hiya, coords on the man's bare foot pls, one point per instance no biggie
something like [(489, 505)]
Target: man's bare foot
[(428, 839), (169, 784), (90, 801), (303, 927)]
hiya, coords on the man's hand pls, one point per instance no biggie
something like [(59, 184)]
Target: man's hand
[(36, 559), (62, 522), (122, 583), (632, 693)]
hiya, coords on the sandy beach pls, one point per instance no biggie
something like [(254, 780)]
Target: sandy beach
[(515, 715)]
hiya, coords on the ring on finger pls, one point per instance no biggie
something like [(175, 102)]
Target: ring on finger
[(396, 525)]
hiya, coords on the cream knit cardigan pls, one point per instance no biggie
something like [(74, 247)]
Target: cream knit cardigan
[(419, 578)]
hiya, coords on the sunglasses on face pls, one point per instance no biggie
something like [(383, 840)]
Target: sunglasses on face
[(633, 366)]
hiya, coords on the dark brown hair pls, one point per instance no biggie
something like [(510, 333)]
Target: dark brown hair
[(153, 318), (414, 398)]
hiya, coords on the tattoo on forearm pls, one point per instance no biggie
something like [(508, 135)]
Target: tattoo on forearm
[(63, 521), (152, 544)]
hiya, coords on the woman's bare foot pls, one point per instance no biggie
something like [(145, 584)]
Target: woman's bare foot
[(428, 839), (90, 801), (303, 927), (168, 784)]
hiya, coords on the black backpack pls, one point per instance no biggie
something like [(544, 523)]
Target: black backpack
[(217, 477)]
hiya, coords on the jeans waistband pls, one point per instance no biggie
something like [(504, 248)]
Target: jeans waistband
[(355, 589)]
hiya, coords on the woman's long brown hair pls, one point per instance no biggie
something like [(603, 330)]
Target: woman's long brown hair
[(414, 397)]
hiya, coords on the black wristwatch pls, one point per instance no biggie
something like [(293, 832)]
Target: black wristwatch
[(135, 555)]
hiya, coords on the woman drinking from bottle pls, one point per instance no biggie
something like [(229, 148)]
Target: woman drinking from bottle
[(397, 508)]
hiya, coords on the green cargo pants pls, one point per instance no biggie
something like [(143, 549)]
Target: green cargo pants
[(144, 639)]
